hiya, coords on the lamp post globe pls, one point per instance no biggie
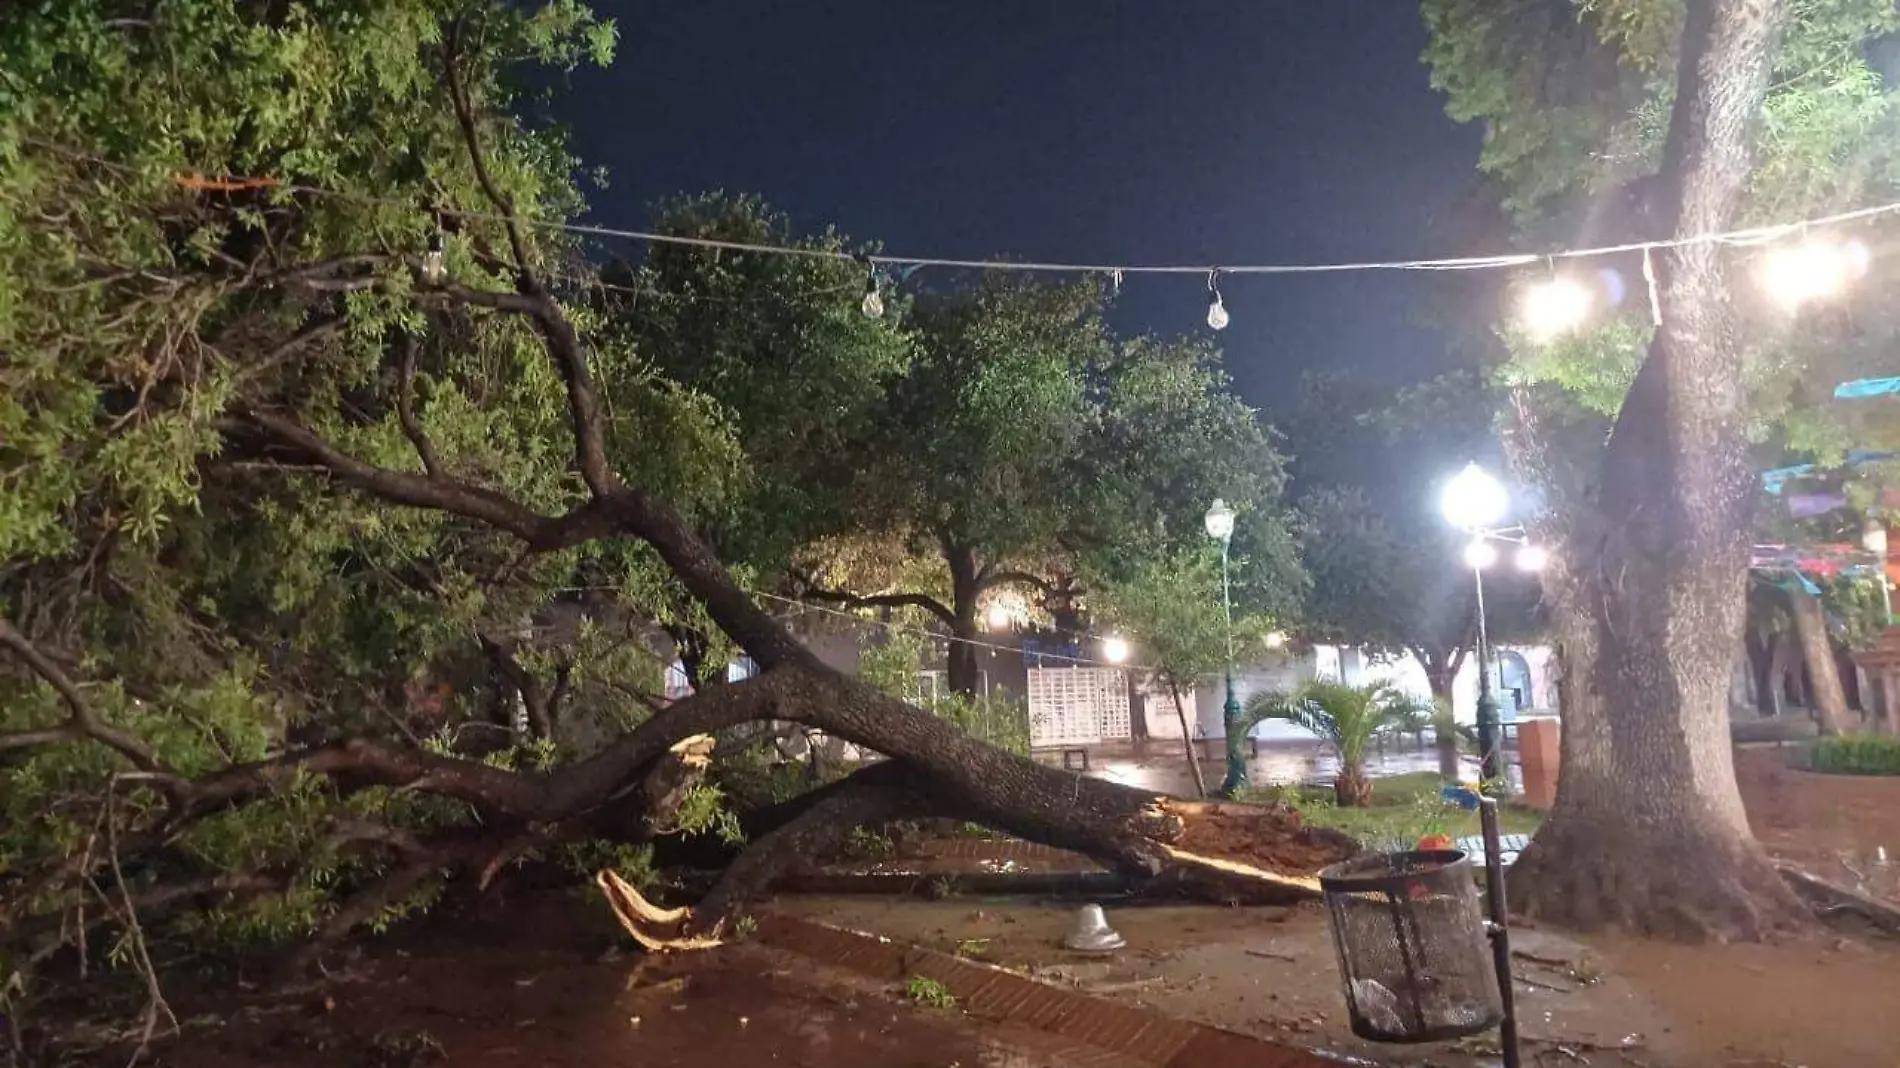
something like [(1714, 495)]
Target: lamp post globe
[(1474, 499), (1219, 521)]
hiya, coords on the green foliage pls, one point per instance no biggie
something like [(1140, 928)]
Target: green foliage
[(1575, 100), (1856, 754), (1171, 612), (894, 666), (1405, 809), (239, 605), (793, 372), (927, 991)]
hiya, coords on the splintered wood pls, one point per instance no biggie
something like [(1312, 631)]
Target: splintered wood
[(657, 930)]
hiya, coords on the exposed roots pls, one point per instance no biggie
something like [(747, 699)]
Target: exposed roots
[(1669, 882)]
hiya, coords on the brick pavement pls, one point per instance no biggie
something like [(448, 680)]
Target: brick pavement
[(1080, 1029)]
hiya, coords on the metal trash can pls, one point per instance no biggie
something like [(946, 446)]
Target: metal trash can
[(1412, 946)]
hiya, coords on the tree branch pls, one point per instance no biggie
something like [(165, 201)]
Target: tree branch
[(471, 136), (882, 600), (406, 407), (82, 721), (1015, 578), (401, 487)]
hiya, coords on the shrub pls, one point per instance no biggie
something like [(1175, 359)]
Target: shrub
[(1856, 754)]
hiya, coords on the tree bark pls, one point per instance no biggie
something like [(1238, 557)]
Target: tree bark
[(1826, 698), (1648, 833), (963, 671), (1784, 683), (1889, 722), (1351, 788), (1187, 742)]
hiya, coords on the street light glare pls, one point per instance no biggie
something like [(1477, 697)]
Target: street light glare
[(1480, 554), (1220, 520), (999, 616), (1532, 558), (1553, 307), (1474, 500), (1114, 650)]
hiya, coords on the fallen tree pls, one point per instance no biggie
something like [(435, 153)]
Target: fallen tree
[(174, 747)]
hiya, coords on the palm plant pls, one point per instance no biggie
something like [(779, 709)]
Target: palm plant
[(1347, 716)]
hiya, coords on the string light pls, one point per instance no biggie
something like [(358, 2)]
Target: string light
[(1812, 269), (1808, 271), (434, 268), (1754, 235), (1216, 311), (1555, 306)]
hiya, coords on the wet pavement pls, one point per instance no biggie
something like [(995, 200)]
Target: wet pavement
[(739, 1006), (1161, 766)]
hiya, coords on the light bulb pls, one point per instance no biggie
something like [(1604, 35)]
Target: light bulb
[(1216, 313), (1480, 554), (998, 616), (1812, 270), (1114, 650), (873, 305), (434, 267), (1532, 558), (1554, 307)]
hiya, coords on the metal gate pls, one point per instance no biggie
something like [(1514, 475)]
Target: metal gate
[(1077, 706)]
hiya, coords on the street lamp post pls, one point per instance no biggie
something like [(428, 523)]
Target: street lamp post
[(1220, 527), (1479, 555), (1475, 503)]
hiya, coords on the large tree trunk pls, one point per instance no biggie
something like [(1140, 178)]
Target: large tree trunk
[(1187, 743), (963, 671), (1648, 832), (1826, 696)]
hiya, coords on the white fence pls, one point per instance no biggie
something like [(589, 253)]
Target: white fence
[(1077, 706)]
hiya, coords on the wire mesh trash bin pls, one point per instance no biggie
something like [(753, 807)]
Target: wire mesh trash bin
[(1412, 946)]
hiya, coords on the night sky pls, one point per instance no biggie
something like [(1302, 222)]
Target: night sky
[(1072, 130)]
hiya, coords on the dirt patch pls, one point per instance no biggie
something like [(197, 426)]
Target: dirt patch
[(1270, 839), (1271, 972), (1835, 826)]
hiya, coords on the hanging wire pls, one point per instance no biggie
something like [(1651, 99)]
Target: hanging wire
[(1746, 236)]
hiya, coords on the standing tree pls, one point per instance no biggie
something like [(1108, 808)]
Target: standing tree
[(1025, 435), (1648, 832), (1171, 608)]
